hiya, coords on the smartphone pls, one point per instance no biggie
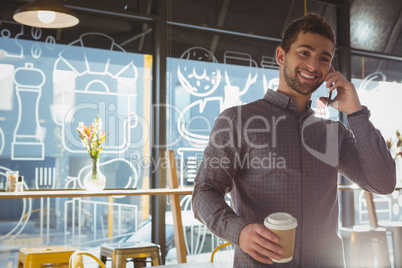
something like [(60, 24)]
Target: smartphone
[(329, 97)]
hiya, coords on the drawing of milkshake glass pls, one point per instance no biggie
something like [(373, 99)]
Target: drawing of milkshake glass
[(270, 75), (28, 139), (239, 84)]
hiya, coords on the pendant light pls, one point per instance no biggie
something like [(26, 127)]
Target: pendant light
[(46, 14)]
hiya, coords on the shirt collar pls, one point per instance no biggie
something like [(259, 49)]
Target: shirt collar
[(282, 101)]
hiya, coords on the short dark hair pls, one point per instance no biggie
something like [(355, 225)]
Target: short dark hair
[(311, 23)]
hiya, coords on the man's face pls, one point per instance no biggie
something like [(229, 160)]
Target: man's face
[(307, 62)]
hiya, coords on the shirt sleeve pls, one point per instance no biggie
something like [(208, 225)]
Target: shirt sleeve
[(214, 180), (365, 159)]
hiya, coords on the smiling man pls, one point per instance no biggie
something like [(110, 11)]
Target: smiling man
[(312, 151)]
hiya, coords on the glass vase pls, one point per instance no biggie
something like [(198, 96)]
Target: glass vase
[(95, 181)]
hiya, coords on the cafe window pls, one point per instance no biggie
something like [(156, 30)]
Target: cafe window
[(380, 89), (47, 89)]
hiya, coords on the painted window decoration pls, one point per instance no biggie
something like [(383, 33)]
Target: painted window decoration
[(382, 97), (46, 90), (200, 88)]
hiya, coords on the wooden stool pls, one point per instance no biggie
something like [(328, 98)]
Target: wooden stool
[(365, 245), (131, 251), (39, 256), (395, 229)]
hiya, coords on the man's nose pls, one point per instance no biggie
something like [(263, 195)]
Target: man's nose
[(312, 64)]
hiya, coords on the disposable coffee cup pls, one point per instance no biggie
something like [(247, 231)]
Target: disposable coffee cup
[(284, 226)]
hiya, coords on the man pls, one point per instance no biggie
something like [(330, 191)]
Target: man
[(274, 155)]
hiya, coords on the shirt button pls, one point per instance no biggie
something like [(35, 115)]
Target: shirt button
[(283, 105), (306, 233), (306, 173), (305, 263), (306, 202)]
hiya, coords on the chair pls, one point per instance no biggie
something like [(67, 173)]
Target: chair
[(394, 228), (218, 248), (365, 243), (194, 244), (120, 253), (176, 209), (39, 256), (77, 261)]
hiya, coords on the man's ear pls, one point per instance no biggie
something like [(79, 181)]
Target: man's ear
[(280, 56)]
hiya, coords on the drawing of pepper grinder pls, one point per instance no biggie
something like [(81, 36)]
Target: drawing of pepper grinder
[(28, 139)]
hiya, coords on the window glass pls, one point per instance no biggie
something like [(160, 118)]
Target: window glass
[(380, 90), (47, 89)]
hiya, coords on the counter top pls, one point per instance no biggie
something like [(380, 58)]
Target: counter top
[(84, 193)]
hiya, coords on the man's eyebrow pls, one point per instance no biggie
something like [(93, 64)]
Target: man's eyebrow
[(313, 49)]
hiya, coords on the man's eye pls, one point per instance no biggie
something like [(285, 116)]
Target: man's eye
[(325, 59), (304, 53)]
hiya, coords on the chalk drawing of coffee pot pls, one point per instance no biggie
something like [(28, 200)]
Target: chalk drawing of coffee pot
[(89, 82), (80, 61)]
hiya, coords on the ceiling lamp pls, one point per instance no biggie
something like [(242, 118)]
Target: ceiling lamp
[(46, 14)]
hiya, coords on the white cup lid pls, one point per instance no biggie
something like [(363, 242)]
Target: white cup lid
[(280, 221)]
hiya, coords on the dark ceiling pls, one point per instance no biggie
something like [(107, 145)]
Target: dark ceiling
[(249, 26)]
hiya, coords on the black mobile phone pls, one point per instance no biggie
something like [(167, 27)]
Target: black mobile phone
[(329, 97)]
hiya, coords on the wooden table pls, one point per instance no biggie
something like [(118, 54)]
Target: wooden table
[(77, 193), (84, 193)]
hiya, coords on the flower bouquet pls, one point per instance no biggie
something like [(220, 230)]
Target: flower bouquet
[(93, 138), (395, 147), (391, 142)]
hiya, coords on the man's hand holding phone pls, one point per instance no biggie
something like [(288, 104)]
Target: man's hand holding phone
[(346, 100)]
